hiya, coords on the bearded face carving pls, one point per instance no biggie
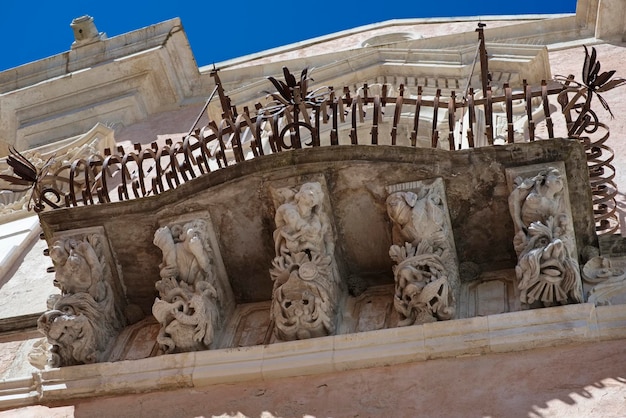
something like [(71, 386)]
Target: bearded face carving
[(71, 335), (545, 270), (303, 309)]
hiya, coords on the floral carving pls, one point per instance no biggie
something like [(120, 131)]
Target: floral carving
[(188, 304), (547, 267), (423, 293)]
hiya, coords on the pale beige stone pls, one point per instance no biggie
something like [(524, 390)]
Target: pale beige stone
[(547, 268), (549, 381), (307, 292)]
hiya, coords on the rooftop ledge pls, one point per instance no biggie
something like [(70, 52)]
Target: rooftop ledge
[(509, 332)]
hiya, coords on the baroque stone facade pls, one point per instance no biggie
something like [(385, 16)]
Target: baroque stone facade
[(441, 265)]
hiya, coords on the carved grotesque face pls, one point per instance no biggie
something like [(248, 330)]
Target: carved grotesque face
[(63, 330), (299, 307), (552, 262), (547, 253), (299, 310), (63, 327), (546, 270)]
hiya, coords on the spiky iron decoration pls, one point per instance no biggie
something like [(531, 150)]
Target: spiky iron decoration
[(586, 128), (28, 177), (593, 82), (292, 100), (293, 93)]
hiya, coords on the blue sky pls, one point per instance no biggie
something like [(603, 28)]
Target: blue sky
[(222, 29)]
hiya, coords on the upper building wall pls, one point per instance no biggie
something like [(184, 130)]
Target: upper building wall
[(115, 81)]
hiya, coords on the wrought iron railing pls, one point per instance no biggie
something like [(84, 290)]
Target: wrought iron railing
[(297, 117)]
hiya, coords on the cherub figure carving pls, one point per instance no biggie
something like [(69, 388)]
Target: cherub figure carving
[(77, 267), (186, 251), (306, 288), (301, 224), (415, 218), (547, 268), (423, 255), (188, 304), (536, 199)]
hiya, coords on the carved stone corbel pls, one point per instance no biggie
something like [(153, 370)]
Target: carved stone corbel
[(190, 296), (307, 290), (547, 269), (426, 270), (89, 313)]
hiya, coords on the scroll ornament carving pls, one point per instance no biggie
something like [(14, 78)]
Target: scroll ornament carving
[(423, 257), (84, 318), (608, 282), (547, 268), (187, 306), (306, 289)]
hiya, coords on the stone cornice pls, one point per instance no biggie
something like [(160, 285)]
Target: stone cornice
[(510, 332)]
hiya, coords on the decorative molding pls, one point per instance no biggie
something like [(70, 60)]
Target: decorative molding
[(516, 331), (122, 79)]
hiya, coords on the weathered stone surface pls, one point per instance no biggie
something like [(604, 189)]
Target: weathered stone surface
[(426, 273), (89, 313), (547, 268), (308, 291), (490, 293), (356, 176)]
